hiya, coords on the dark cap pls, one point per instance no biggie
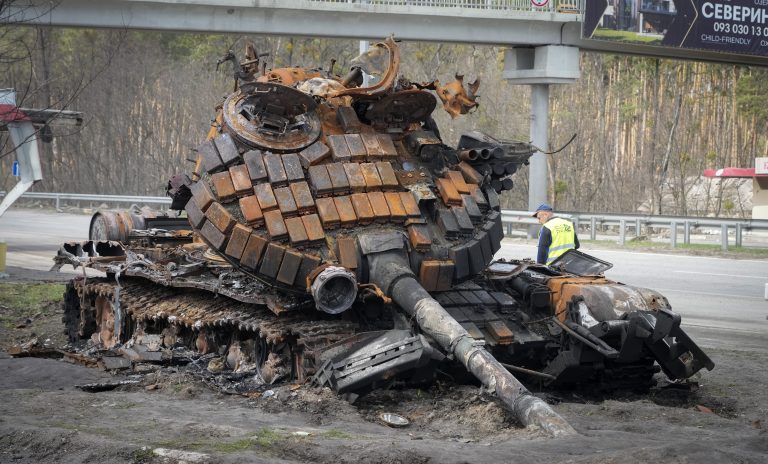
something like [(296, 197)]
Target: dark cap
[(542, 207)]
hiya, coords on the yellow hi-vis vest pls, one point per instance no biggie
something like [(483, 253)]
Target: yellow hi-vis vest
[(563, 237)]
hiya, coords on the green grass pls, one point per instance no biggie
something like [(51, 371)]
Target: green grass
[(18, 300), (625, 36), (338, 434), (264, 438)]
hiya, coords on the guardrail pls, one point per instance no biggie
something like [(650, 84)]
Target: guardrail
[(626, 221), (58, 197), (592, 221)]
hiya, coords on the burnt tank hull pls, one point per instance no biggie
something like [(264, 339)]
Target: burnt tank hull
[(330, 235)]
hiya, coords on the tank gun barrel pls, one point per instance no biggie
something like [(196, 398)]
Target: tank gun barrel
[(390, 271)]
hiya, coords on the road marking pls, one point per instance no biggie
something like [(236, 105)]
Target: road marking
[(727, 295), (724, 275)]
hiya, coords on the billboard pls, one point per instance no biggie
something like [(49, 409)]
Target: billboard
[(728, 26)]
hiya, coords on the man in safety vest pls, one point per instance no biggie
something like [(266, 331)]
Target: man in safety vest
[(556, 237)]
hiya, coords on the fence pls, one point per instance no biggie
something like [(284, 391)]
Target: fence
[(592, 221), (623, 222)]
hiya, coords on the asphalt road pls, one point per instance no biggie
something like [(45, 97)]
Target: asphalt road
[(722, 301)]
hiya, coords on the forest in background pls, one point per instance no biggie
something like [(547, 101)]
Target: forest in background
[(646, 127)]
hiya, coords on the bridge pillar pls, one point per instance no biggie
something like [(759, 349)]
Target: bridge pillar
[(539, 67)]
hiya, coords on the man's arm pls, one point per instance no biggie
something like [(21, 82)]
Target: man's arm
[(576, 239), (545, 240)]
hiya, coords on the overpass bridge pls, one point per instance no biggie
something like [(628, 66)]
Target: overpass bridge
[(492, 22), (543, 37)]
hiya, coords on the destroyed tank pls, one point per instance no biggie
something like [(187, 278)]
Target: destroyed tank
[(331, 237)]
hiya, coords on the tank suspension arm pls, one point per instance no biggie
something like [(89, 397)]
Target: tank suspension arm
[(390, 271)]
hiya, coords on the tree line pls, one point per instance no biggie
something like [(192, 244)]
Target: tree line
[(646, 127)]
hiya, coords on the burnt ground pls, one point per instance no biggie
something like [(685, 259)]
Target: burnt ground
[(173, 414)]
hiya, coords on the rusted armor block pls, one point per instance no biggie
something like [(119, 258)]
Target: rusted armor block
[(486, 299), (241, 180), (202, 195), (410, 205), (379, 205), (447, 222), (254, 160), (475, 215), (338, 177), (388, 149), (356, 147), (339, 149), (296, 232), (347, 119), (213, 236), (275, 169), (251, 210), (372, 147), (371, 176), (314, 154), (209, 157), (362, 207), (495, 229), (275, 225), (289, 267), (303, 196), (448, 192), (346, 211), (273, 257), (500, 332), (445, 277), (194, 214), (469, 173), (479, 197), (285, 201), (506, 302), (347, 252), (308, 264), (475, 255), (227, 149), (387, 175), (458, 181), (355, 177), (419, 235), (462, 218), (222, 183), (315, 232), (326, 209), (396, 208), (220, 217), (428, 273), (293, 169), (485, 247), (237, 241), (253, 251), (493, 199), (320, 180), (460, 256), (266, 196)]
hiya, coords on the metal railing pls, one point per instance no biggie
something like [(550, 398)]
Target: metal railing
[(59, 197), (590, 222), (623, 222), (452, 7)]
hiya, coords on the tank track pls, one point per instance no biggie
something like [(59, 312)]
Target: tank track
[(146, 308)]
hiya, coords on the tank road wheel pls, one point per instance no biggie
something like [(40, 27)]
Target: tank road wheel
[(271, 362), (105, 323), (78, 322)]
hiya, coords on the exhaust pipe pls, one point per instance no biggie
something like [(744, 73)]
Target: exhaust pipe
[(334, 290)]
